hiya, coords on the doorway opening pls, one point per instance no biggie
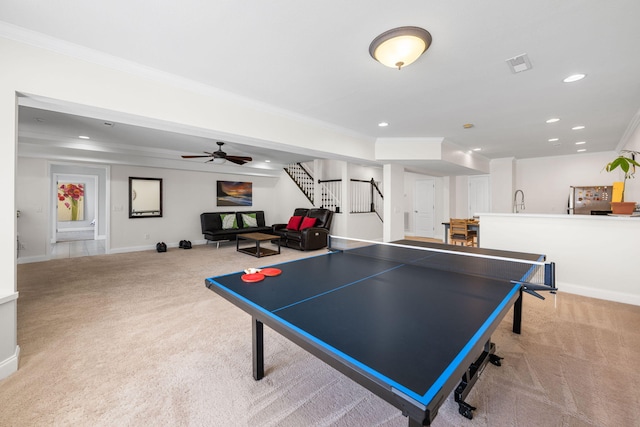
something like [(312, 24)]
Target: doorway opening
[(78, 210)]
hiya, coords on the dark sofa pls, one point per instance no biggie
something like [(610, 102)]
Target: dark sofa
[(311, 238), (212, 225)]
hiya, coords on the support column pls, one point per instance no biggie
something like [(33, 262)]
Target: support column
[(9, 350), (393, 179)]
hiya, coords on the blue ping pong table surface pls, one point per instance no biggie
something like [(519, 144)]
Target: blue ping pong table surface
[(383, 316)]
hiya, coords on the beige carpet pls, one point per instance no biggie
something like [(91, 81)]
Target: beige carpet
[(136, 340)]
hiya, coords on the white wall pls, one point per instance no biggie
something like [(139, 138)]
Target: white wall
[(185, 196), (632, 190), (33, 200), (546, 181), (503, 184)]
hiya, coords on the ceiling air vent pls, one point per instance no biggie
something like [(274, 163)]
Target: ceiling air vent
[(519, 63)]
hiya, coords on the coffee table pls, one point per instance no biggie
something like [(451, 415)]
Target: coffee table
[(256, 250)]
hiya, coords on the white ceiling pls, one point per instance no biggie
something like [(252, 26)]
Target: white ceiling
[(311, 58)]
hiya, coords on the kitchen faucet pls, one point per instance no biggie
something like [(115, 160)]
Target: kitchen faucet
[(517, 205)]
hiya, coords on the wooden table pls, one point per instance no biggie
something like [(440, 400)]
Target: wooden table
[(256, 250)]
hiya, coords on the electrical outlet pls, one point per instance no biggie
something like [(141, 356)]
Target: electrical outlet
[(146, 236), (21, 246)]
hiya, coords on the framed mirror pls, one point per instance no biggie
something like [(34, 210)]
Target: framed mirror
[(145, 197)]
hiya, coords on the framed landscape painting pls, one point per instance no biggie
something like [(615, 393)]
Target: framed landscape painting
[(232, 193)]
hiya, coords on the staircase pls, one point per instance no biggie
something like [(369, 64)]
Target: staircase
[(302, 178), (365, 195)]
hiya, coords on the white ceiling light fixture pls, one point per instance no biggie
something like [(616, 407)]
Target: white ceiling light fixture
[(400, 47), (83, 137), (553, 139), (383, 124), (553, 120), (574, 78), (580, 127)]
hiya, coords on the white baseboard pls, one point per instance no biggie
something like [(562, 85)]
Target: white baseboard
[(10, 365), (29, 259), (133, 249), (604, 294), (68, 230), (152, 247)]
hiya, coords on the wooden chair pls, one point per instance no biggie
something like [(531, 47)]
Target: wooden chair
[(459, 232)]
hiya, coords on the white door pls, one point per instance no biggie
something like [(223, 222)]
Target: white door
[(424, 207), (479, 195)]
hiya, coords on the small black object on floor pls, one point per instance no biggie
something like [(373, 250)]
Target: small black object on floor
[(185, 244), (161, 247)]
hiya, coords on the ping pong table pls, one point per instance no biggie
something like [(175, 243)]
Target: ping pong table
[(411, 324)]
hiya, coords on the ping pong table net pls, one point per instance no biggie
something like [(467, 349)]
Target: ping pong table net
[(528, 270)]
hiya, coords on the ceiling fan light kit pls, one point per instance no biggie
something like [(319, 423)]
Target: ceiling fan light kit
[(400, 47), (219, 157)]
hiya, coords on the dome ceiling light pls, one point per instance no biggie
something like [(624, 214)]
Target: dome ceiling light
[(400, 47)]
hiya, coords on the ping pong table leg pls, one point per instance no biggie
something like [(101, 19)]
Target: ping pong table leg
[(258, 348), (517, 314)]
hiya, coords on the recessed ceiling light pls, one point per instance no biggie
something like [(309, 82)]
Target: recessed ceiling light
[(553, 139), (477, 149), (574, 78), (582, 150), (580, 127), (383, 124), (84, 137), (267, 161), (467, 125), (581, 142), (553, 120)]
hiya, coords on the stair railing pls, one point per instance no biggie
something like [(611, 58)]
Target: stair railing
[(301, 176)]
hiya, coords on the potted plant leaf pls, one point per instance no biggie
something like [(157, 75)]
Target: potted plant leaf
[(626, 161)]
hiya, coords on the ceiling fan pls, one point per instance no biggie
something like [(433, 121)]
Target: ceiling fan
[(239, 160)]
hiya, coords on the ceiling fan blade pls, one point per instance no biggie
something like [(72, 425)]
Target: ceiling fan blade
[(219, 154), (239, 160)]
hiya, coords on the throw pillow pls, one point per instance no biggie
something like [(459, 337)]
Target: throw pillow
[(249, 220), (308, 223), (229, 221), (294, 223)]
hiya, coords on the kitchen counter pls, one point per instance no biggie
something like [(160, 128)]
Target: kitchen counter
[(595, 255)]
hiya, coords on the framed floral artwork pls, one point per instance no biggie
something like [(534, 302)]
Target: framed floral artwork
[(70, 201)]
